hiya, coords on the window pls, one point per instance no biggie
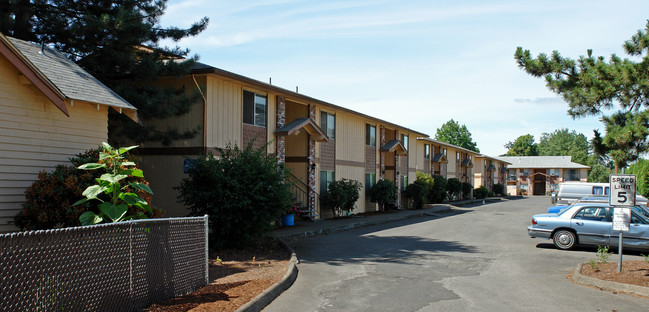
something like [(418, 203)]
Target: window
[(553, 172), (254, 109), (370, 135), (370, 180), (457, 157), (511, 175), (444, 152), (591, 213), (404, 141), (326, 177), (426, 151), (404, 182), (328, 124), (598, 190)]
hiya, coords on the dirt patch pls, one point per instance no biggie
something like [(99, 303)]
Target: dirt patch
[(237, 276), (633, 272)]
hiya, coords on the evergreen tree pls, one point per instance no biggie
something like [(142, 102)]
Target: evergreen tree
[(453, 133), (563, 142), (592, 85), (523, 146), (118, 42)]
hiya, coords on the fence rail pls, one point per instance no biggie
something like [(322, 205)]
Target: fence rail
[(121, 266)]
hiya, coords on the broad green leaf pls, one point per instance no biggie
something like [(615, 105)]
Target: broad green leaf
[(141, 186), (104, 155), (147, 208), (134, 172), (131, 198), (92, 191), (113, 212), (106, 146), (81, 201), (123, 150), (91, 166), (89, 218), (128, 163), (112, 178)]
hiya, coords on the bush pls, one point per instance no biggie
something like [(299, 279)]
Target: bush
[(466, 190), (438, 193), (416, 192), (384, 193), (242, 191), (499, 189), (481, 192), (48, 201), (453, 187), (341, 196)]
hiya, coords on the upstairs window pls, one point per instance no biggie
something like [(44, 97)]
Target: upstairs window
[(370, 135), (328, 124), (404, 141), (254, 109), (426, 151)]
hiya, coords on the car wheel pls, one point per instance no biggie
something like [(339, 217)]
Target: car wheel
[(564, 239)]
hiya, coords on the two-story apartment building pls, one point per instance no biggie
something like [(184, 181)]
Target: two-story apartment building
[(539, 175), (489, 171), (447, 160), (318, 141)]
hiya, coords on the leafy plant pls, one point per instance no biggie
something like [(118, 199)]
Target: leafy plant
[(438, 192), (341, 196), (466, 190), (593, 264), (481, 192), (384, 192), (120, 198), (453, 187), (603, 254), (243, 191), (498, 189), (646, 257), (416, 192)]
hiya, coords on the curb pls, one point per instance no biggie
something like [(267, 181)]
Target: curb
[(272, 292), (608, 285)]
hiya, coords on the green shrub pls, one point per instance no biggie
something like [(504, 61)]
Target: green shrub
[(453, 187), (438, 193), (499, 189), (416, 192), (242, 191), (384, 192), (481, 192), (466, 190), (118, 200), (341, 196), (48, 201)]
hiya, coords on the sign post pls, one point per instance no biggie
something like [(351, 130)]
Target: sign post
[(622, 197)]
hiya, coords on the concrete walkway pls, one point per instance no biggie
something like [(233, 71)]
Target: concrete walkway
[(304, 229)]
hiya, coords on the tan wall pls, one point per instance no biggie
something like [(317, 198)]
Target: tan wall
[(224, 112), (37, 136)]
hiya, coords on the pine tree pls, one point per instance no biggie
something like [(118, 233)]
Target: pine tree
[(592, 85), (118, 42)]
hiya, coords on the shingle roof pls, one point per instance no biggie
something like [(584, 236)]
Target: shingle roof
[(547, 162), (73, 82)]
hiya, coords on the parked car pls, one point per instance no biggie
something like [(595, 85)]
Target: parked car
[(569, 192), (589, 224)]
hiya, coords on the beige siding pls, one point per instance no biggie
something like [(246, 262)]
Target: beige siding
[(350, 142), (37, 136), (224, 113), (353, 173)]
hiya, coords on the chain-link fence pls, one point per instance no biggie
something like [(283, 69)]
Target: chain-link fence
[(110, 267)]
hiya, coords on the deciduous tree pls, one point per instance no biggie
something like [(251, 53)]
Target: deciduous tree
[(563, 142), (523, 146), (453, 133)]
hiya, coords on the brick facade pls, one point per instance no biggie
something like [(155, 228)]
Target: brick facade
[(256, 133)]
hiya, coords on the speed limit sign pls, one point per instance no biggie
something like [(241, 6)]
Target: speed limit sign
[(622, 190)]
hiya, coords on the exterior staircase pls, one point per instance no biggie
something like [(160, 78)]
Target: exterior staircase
[(300, 192)]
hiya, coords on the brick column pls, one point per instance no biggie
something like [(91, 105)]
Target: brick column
[(280, 141), (382, 155), (312, 169)]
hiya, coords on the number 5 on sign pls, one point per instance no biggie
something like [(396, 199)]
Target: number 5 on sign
[(622, 190)]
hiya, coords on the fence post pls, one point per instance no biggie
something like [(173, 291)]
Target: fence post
[(207, 251)]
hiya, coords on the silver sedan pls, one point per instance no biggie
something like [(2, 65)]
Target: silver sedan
[(588, 224)]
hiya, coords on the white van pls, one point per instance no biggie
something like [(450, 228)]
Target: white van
[(570, 192)]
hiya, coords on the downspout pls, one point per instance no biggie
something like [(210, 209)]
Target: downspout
[(204, 147)]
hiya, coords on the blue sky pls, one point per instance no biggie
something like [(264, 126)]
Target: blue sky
[(414, 63)]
